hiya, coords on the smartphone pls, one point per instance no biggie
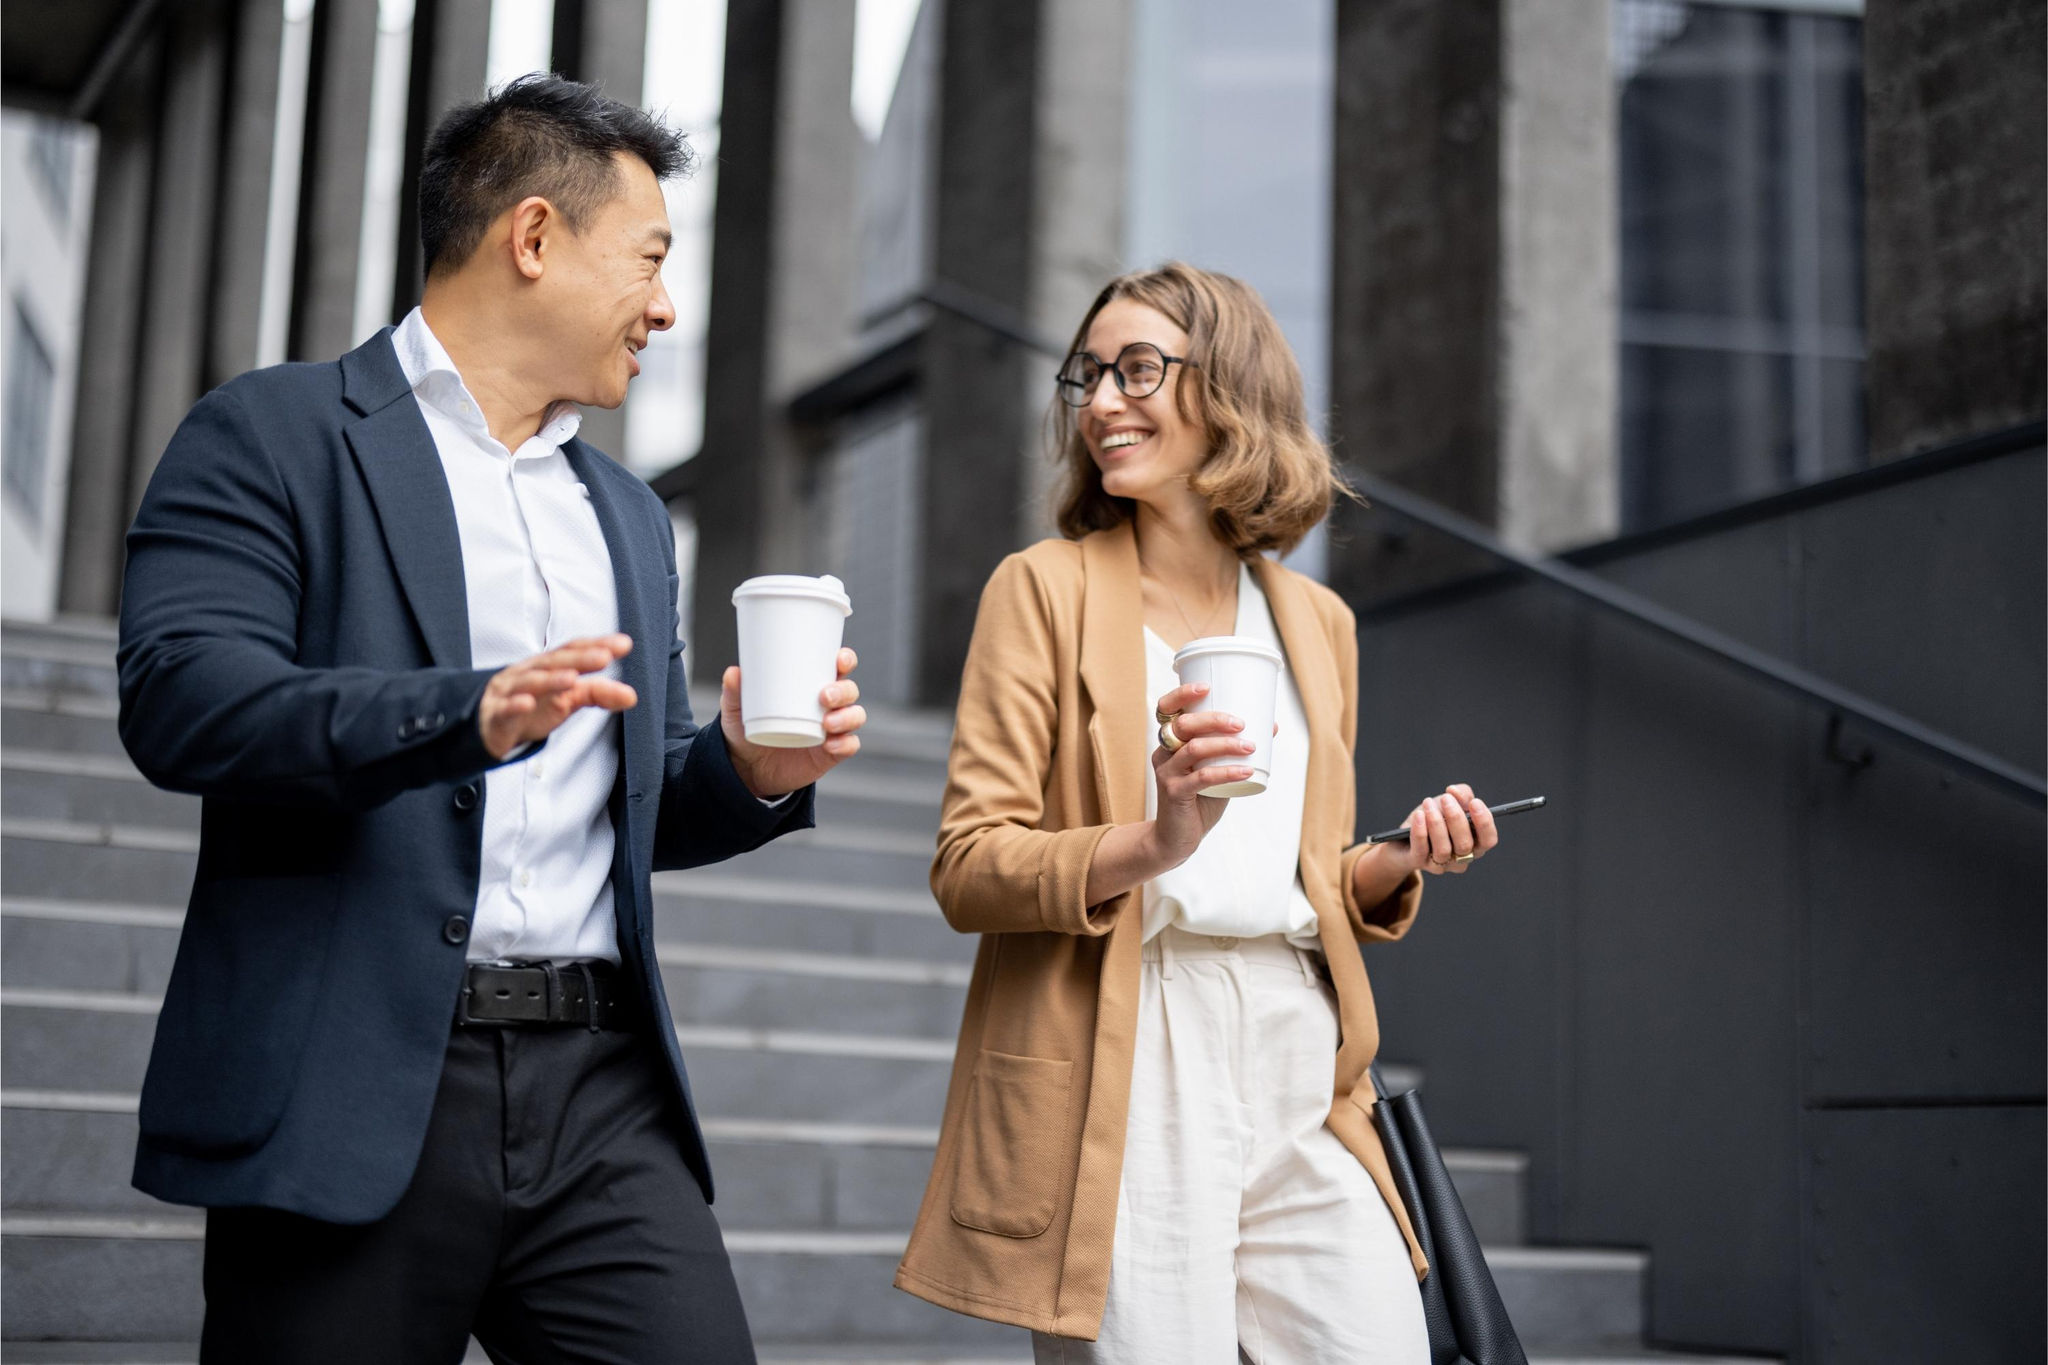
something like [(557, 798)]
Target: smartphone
[(1399, 832)]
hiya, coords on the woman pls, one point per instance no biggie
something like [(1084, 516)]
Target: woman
[(1154, 1140)]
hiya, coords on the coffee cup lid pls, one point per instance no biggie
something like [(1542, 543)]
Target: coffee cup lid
[(826, 589), (1227, 644)]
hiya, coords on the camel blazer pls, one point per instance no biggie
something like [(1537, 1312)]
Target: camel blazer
[(1050, 750)]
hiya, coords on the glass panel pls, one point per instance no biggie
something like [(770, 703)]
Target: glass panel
[(1741, 192), (30, 375)]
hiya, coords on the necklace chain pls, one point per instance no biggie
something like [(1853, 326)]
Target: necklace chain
[(1174, 597)]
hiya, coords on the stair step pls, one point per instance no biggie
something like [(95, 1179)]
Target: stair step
[(59, 722), (719, 906), (140, 1274), (100, 1040), (757, 988), (72, 1151), (95, 787)]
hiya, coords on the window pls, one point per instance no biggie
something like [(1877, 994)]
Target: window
[(1741, 167), (26, 454), (53, 150)]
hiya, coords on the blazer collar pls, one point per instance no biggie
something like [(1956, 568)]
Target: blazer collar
[(1314, 668), (1113, 666), (402, 470), (642, 588)]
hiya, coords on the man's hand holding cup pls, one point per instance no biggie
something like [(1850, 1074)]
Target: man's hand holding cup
[(790, 709)]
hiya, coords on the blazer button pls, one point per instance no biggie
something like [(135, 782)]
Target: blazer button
[(407, 728), (440, 719), (456, 930), (466, 796)]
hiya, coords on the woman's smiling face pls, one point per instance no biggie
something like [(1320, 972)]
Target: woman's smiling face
[(1145, 449)]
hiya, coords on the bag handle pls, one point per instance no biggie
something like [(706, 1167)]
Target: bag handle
[(1379, 1085)]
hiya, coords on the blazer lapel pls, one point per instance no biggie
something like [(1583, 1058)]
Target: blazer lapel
[(1113, 668), (1315, 676), (395, 452), (643, 614)]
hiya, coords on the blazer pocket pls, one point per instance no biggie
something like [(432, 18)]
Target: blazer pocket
[(1011, 1160)]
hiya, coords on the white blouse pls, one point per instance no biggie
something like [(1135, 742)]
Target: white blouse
[(1245, 878)]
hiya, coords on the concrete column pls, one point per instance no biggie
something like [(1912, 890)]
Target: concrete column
[(451, 42), (1077, 220), (604, 42), (250, 136), (781, 294), (1954, 215), (96, 506), (977, 413), (176, 291), (1472, 332), (331, 190)]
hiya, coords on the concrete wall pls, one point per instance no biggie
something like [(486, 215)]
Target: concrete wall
[(1775, 1018), (1957, 209)]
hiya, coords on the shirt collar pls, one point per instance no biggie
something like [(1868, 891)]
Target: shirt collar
[(434, 379)]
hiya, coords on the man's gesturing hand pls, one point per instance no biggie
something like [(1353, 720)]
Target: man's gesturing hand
[(524, 702)]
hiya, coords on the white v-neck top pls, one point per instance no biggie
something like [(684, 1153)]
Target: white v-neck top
[(1245, 878)]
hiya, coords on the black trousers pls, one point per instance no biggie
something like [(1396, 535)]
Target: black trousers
[(551, 1215)]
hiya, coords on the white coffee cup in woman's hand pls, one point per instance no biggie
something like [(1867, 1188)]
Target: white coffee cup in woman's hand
[(1214, 751)]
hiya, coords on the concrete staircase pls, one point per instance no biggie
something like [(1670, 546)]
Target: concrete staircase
[(816, 993)]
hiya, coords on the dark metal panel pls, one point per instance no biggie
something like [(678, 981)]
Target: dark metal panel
[(1483, 692), (1926, 1236), (1682, 1111), (243, 217), (337, 150), (1886, 573), (1926, 951)]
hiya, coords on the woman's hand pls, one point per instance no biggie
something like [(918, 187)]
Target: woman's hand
[(1213, 751), (1446, 833)]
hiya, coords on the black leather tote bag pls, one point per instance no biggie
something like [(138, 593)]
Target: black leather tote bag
[(1468, 1324)]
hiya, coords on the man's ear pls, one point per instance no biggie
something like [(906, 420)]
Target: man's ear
[(533, 220)]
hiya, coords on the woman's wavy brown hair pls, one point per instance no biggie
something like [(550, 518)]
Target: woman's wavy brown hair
[(1268, 479)]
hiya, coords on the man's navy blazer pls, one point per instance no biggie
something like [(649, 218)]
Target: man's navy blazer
[(295, 649)]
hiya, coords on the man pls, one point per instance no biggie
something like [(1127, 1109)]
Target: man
[(414, 643)]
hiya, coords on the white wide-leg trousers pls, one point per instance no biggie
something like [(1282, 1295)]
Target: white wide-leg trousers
[(1243, 1221)]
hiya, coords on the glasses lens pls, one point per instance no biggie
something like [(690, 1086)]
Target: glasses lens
[(1141, 369), (1078, 377)]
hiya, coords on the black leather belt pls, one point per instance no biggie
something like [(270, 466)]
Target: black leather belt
[(582, 994)]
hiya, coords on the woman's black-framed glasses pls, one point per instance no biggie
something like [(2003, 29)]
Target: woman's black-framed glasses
[(1140, 368)]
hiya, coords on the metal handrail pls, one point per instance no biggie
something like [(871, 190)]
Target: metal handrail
[(1767, 668)]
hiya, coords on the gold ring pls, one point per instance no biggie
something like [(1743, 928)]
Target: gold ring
[(1466, 857), (1168, 740), (1164, 717)]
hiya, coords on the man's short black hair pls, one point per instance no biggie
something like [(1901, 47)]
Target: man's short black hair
[(537, 135)]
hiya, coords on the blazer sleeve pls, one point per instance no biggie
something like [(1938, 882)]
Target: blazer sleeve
[(996, 871), (1389, 920), (212, 701)]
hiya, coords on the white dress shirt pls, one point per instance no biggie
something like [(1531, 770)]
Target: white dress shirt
[(536, 573), (1244, 879)]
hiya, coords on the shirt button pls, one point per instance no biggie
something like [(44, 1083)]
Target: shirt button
[(1224, 941), (525, 879), (456, 930), (539, 767), (466, 797)]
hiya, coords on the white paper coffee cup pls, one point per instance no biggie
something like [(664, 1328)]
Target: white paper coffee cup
[(790, 629), (1244, 679)]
